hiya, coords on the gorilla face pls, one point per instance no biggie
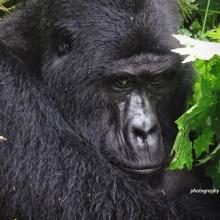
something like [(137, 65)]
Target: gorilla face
[(135, 87), (115, 82)]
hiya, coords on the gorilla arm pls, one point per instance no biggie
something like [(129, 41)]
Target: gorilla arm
[(37, 158)]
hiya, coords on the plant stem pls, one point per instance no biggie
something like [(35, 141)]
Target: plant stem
[(4, 9), (205, 18), (210, 11)]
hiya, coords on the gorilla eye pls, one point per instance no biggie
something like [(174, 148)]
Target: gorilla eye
[(157, 80), (123, 82)]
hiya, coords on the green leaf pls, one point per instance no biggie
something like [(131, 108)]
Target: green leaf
[(214, 34), (183, 152), (210, 156), (202, 143)]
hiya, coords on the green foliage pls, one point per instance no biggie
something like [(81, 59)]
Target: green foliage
[(202, 119), (5, 8), (8, 6), (214, 34), (198, 139), (187, 7)]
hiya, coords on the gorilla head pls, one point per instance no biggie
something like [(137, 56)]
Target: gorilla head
[(108, 65)]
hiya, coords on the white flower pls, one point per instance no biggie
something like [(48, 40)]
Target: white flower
[(196, 49)]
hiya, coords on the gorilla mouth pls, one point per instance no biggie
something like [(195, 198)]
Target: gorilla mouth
[(140, 169), (143, 171), (133, 168), (119, 153)]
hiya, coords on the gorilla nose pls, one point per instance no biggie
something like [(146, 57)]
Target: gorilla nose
[(143, 131)]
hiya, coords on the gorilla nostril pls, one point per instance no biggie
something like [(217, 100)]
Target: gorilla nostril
[(153, 130), (140, 136), (139, 133)]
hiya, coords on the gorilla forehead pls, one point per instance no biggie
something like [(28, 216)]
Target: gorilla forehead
[(106, 31), (126, 25)]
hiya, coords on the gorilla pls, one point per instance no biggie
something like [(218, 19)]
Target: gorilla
[(89, 92)]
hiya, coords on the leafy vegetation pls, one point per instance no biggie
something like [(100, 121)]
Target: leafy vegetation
[(198, 139), (8, 6)]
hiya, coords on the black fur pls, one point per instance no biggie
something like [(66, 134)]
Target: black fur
[(53, 55)]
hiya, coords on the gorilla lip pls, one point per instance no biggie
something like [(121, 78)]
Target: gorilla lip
[(143, 171)]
